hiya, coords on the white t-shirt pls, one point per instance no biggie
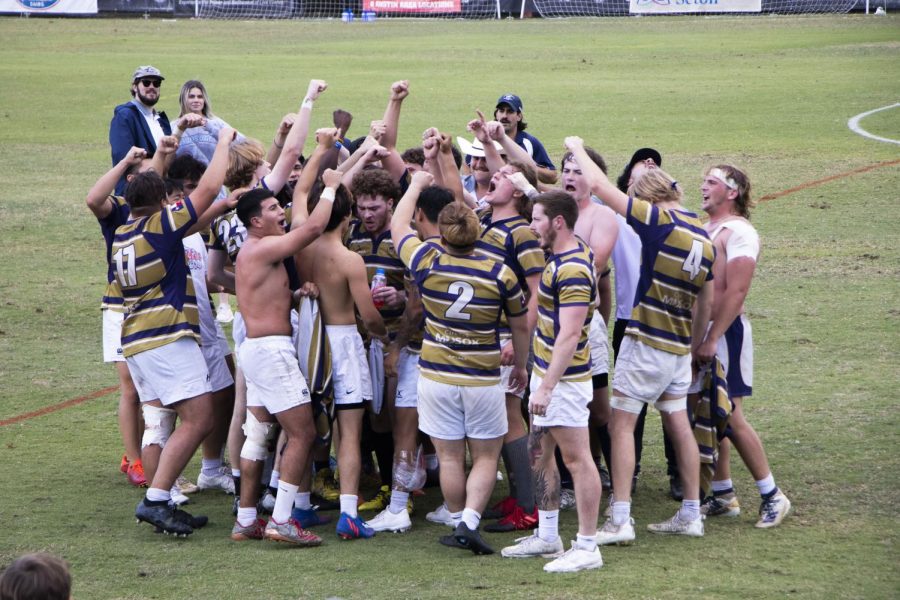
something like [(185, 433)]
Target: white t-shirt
[(196, 257), (743, 241)]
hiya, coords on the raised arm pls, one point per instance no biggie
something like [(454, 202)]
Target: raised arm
[(299, 210), (293, 144), (165, 154), (431, 146), (449, 170), (98, 197), (392, 163), (601, 186), (278, 142), (275, 248), (214, 176), (373, 154), (514, 152), (217, 210), (493, 158), (403, 214)]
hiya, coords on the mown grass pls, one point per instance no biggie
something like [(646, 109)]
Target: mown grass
[(771, 94)]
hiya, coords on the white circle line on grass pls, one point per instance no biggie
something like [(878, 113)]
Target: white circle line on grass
[(853, 124)]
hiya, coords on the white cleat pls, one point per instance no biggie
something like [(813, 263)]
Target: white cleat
[(224, 314), (220, 481), (177, 498), (388, 521), (773, 510), (675, 526), (531, 546), (442, 516), (575, 559), (621, 535)]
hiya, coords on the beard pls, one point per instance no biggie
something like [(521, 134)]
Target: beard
[(547, 241), (148, 101)]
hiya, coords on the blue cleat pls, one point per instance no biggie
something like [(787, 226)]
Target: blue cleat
[(352, 528)]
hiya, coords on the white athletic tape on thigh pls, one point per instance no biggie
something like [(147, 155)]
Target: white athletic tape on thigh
[(259, 437), (159, 423), (671, 406)]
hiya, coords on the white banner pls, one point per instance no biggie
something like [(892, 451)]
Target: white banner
[(57, 7), (662, 7)]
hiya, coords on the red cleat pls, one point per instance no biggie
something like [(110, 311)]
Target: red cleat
[(517, 520), (135, 474), (501, 509)]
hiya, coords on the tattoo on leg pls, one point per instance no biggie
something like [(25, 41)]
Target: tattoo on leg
[(546, 476)]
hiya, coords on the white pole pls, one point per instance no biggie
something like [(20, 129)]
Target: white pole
[(498, 9), (867, 6), (197, 8), (522, 12)]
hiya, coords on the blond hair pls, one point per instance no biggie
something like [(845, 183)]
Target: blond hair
[(458, 225), (244, 158), (656, 186)]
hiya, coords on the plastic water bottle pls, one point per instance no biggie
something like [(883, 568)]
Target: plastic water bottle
[(347, 16), (378, 281)]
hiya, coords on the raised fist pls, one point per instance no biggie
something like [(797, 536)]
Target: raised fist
[(399, 90), (326, 136), (331, 178), (316, 87), (422, 179)]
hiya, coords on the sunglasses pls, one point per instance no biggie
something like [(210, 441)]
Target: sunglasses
[(151, 82)]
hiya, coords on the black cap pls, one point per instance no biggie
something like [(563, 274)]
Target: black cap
[(639, 156)]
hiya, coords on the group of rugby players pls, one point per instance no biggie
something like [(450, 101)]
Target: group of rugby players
[(435, 307)]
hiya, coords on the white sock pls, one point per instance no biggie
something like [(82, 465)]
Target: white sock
[(284, 501), (586, 542), (431, 462), (301, 501), (766, 485), (210, 466), (158, 495), (690, 510), (235, 472), (246, 516), (273, 479), (349, 503), (471, 518), (548, 525), (456, 517), (722, 485), (398, 501), (621, 512)]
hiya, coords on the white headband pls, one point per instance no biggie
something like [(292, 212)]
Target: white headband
[(721, 176)]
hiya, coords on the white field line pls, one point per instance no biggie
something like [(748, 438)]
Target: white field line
[(853, 124)]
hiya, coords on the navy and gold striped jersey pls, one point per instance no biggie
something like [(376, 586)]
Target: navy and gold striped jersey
[(118, 216), (511, 242), (157, 287), (676, 260), (462, 298), (378, 253), (567, 280), (227, 234), (414, 343)]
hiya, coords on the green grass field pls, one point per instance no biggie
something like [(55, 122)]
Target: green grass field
[(772, 94)]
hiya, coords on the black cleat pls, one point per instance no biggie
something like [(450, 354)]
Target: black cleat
[(193, 521), (676, 489), (467, 538), (162, 516)]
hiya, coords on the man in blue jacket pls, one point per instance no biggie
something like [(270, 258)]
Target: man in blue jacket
[(137, 123), (509, 112)]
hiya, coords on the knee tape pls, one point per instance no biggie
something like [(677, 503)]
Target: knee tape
[(159, 423), (629, 405), (671, 406), (259, 438)]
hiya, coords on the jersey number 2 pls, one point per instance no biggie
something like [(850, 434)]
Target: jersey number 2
[(464, 294), (126, 272), (694, 259)]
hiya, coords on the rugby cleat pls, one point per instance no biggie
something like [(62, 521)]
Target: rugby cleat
[(517, 520), (254, 531), (621, 535), (388, 521), (676, 526), (773, 510), (531, 546), (575, 559), (726, 505), (163, 518), (309, 517), (290, 532), (353, 528)]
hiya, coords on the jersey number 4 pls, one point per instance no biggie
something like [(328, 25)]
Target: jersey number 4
[(464, 294), (126, 271), (694, 259)]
